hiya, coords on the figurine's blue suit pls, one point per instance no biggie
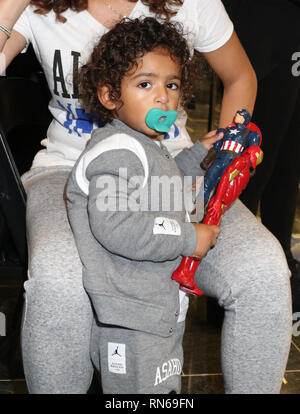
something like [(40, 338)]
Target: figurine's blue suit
[(229, 147)]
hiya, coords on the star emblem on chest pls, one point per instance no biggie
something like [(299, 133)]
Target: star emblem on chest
[(234, 132)]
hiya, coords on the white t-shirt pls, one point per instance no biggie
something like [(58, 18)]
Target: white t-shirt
[(62, 48)]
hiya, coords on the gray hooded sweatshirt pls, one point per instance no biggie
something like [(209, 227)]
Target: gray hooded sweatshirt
[(126, 207)]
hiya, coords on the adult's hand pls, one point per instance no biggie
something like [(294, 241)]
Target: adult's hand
[(10, 11)]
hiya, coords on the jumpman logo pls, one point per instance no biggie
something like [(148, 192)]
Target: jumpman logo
[(116, 352), (161, 224)]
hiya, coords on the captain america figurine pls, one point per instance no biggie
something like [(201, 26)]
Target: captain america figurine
[(231, 184), (237, 152), (238, 136)]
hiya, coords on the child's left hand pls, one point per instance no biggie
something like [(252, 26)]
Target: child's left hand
[(210, 138)]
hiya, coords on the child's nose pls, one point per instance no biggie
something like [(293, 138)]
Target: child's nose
[(162, 95)]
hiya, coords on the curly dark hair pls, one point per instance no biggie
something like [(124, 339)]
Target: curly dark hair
[(163, 8), (117, 53)]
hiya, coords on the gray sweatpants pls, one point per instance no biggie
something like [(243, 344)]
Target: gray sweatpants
[(133, 362), (246, 272)]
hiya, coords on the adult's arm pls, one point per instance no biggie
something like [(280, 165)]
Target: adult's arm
[(231, 64), (10, 11)]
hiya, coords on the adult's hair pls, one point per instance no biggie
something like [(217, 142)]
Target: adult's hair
[(118, 52), (163, 8)]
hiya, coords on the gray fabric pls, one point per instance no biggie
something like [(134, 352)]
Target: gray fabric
[(248, 274), (153, 364), (57, 315), (246, 271), (126, 265)]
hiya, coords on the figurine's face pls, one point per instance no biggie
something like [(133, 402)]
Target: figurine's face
[(154, 83), (239, 119)]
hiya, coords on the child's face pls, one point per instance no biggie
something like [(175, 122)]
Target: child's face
[(155, 83)]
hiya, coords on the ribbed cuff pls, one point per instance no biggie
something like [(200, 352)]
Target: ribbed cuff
[(190, 239), (200, 150)]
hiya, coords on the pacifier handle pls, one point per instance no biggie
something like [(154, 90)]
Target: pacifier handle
[(160, 120)]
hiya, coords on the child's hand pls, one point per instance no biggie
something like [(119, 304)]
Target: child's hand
[(210, 138), (206, 239)]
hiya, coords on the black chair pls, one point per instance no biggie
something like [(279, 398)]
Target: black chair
[(24, 119)]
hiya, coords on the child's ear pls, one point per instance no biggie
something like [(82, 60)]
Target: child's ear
[(103, 93)]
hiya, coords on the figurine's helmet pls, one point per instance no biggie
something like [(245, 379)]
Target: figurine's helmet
[(245, 114), (256, 155)]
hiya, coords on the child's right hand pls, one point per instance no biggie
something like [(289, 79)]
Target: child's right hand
[(206, 239), (210, 138)]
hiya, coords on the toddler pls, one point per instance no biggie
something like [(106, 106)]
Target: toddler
[(127, 208)]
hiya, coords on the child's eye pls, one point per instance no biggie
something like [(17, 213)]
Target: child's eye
[(172, 85), (145, 85)]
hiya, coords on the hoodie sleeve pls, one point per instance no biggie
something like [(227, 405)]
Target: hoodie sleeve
[(189, 159)]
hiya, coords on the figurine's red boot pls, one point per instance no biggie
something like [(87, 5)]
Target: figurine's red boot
[(195, 291), (184, 274)]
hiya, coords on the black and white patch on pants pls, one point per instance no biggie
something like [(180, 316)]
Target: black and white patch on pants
[(134, 362)]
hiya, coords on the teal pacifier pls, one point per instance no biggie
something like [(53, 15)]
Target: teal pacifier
[(160, 120)]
